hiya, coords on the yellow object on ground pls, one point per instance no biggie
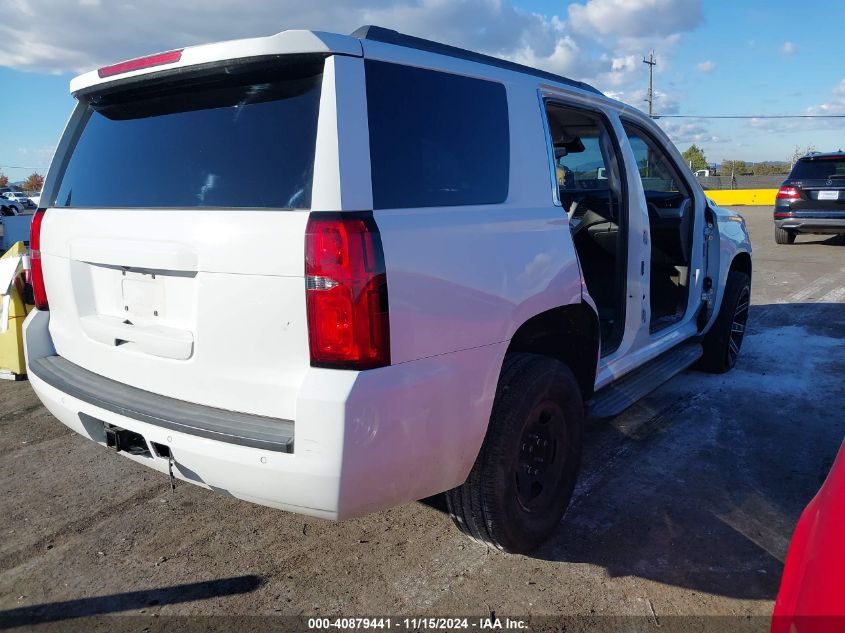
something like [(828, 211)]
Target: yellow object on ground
[(729, 197), (13, 311)]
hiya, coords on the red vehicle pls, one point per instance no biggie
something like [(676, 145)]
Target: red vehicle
[(812, 592)]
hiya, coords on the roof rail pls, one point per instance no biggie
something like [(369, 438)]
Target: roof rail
[(389, 36)]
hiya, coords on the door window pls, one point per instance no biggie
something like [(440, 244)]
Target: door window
[(654, 167)]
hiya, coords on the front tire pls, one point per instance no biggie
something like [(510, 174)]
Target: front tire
[(784, 236), (724, 340), (524, 475)]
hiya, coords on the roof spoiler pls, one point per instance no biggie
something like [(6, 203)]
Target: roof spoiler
[(233, 51)]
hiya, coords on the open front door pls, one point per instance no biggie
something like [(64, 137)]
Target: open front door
[(674, 264)]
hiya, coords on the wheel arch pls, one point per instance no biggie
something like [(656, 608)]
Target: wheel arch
[(741, 263), (569, 334)]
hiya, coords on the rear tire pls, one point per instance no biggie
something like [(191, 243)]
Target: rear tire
[(724, 340), (524, 475), (784, 236)]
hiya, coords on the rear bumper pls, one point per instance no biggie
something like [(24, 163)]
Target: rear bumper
[(263, 477), (192, 419), (811, 221), (363, 441)]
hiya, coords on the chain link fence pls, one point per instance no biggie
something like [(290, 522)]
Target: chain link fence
[(772, 181)]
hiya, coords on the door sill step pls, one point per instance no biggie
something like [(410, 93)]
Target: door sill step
[(627, 390)]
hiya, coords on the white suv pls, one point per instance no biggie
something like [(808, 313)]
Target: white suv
[(372, 268)]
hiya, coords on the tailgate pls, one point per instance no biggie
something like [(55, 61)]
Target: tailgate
[(823, 195), (202, 306)]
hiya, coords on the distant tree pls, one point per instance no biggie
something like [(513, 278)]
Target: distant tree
[(4, 180), (695, 158), (799, 152), (34, 182), (735, 167), (769, 168)]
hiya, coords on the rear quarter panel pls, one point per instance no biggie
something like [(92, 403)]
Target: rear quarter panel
[(461, 281)]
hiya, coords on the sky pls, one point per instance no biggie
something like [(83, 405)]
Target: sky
[(720, 57)]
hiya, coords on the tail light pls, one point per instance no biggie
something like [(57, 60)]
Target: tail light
[(346, 292), (789, 193), (38, 289)]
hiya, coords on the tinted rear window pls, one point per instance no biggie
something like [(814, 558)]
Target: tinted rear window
[(818, 169), (436, 139), (233, 140)]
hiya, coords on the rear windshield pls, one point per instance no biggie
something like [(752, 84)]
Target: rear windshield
[(818, 169), (243, 139)]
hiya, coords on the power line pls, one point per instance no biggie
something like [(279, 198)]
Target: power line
[(20, 167), (749, 116)]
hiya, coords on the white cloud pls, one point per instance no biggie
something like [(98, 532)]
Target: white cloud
[(635, 18), (663, 104), (82, 35), (598, 40), (490, 26), (624, 64), (706, 66), (834, 108), (688, 132), (789, 48), (76, 36), (616, 72), (564, 59), (836, 105)]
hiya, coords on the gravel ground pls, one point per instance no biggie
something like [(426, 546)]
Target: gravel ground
[(685, 506)]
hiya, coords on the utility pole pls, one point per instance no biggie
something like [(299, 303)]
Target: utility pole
[(650, 98)]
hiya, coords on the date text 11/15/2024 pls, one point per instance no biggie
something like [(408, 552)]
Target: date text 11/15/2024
[(418, 624)]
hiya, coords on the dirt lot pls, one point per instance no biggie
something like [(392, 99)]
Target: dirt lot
[(685, 506)]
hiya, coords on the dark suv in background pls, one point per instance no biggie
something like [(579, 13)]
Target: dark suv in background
[(812, 198)]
